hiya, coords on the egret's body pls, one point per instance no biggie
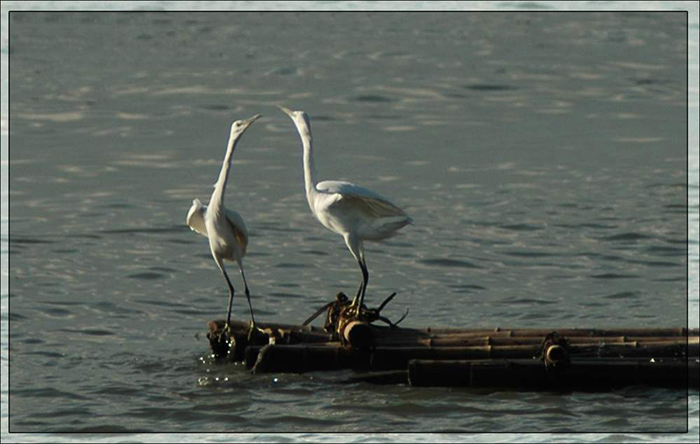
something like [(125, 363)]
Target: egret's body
[(354, 212), (225, 229)]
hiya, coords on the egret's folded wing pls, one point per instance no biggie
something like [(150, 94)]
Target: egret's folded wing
[(240, 231), (369, 206), (195, 219), (347, 188), (362, 199)]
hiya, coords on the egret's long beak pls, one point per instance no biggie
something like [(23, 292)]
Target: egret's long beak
[(287, 111), (247, 122)]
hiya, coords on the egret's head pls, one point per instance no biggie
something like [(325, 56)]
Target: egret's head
[(301, 120), (239, 126)]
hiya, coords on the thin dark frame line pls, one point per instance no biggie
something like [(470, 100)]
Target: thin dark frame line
[(362, 12)]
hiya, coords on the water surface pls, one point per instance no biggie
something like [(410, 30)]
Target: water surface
[(542, 156)]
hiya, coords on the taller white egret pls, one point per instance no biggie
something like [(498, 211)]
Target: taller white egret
[(225, 229), (355, 213)]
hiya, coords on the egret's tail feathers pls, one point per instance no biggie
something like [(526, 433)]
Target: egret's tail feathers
[(397, 224), (385, 227), (368, 206)]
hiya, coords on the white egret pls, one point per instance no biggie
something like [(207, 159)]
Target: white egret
[(355, 213), (225, 229)]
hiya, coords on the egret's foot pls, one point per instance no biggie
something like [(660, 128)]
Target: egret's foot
[(357, 311), (254, 331), (254, 326)]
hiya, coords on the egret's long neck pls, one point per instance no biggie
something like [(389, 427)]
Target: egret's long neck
[(217, 197), (309, 168)]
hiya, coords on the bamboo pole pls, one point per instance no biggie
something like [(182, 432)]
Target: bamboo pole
[(360, 335), (311, 352), (472, 343), (309, 333), (464, 341), (568, 332), (231, 344), (385, 332), (494, 332), (326, 356), (304, 333), (580, 373), (274, 358), (389, 358)]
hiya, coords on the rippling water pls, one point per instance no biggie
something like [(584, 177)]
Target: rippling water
[(542, 156)]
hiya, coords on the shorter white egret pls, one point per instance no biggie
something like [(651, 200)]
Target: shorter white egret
[(225, 229), (355, 213)]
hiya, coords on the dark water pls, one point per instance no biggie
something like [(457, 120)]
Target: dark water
[(542, 156)]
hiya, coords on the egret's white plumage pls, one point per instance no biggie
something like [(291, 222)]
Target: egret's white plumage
[(225, 229), (354, 212)]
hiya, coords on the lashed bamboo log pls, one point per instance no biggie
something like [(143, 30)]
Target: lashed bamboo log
[(389, 358), (327, 356), (295, 334), (231, 344), (511, 357), (466, 341), (568, 332), (273, 358), (385, 332), (298, 333), (579, 373), (359, 335)]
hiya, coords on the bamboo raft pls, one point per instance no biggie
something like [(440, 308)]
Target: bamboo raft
[(564, 358)]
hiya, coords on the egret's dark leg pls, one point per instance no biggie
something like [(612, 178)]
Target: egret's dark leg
[(231, 292), (355, 247), (359, 296), (365, 281), (356, 299), (247, 295)]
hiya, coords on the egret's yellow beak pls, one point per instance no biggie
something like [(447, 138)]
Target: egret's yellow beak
[(247, 122), (287, 111)]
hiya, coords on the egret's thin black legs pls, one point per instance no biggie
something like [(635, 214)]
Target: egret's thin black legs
[(356, 299), (231, 292), (247, 295), (363, 284)]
